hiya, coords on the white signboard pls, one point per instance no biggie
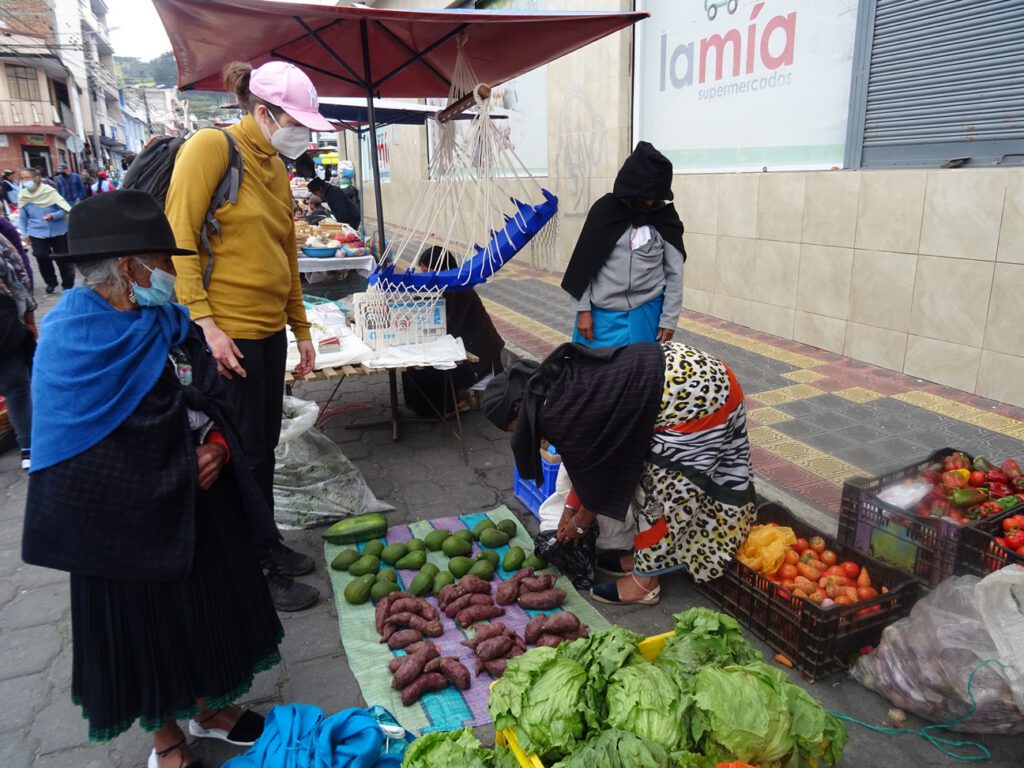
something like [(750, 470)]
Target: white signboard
[(383, 155), (745, 85)]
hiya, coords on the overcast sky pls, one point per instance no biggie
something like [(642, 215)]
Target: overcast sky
[(135, 28)]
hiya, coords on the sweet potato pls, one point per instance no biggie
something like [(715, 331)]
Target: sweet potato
[(471, 643), (467, 585), (494, 648), (516, 651), (424, 647), (537, 583), (381, 611), (535, 628), (431, 681), (508, 591), (494, 629), (403, 638), (410, 668), (445, 595), (536, 601), (496, 667), (469, 616), (412, 621), (454, 670), (562, 623), (416, 605), (434, 665), (550, 640), (518, 643), (452, 609)]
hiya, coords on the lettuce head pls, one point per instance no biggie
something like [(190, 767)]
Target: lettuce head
[(642, 699)]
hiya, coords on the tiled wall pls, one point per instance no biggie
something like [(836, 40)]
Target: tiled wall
[(919, 271)]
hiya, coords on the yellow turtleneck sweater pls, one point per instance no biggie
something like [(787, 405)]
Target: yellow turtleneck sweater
[(254, 287)]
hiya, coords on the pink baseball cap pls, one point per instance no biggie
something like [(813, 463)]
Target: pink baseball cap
[(286, 86)]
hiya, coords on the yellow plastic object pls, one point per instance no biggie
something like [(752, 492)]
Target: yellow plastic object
[(650, 648), (765, 548)]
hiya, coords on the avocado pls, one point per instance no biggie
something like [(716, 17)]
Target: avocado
[(412, 561), (483, 569), (442, 580), (435, 539), (416, 545), (490, 556), (358, 590), (509, 527), (381, 588), (459, 566), (465, 534), (482, 526), (456, 546), (374, 548), (367, 564), (422, 584), (344, 559), (493, 538), (532, 561), (388, 574), (392, 553), (513, 559)]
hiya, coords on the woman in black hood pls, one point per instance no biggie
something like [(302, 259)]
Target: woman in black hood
[(626, 272)]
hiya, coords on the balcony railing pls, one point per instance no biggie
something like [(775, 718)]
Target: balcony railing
[(38, 114)]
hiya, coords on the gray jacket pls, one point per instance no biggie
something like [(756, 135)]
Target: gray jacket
[(631, 277)]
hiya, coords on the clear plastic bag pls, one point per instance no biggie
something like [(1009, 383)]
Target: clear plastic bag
[(314, 483), (923, 662)]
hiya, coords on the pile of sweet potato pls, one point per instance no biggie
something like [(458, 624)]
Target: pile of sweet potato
[(403, 619), (422, 669), (494, 645), (555, 629), (532, 592), (468, 601)]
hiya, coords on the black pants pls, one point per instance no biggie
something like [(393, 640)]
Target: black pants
[(42, 248), (257, 403)]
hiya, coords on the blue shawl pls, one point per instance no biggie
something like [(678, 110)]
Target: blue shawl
[(93, 367)]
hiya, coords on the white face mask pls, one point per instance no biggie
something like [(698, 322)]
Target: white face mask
[(291, 142)]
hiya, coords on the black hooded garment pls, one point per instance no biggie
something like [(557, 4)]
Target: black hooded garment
[(646, 175)]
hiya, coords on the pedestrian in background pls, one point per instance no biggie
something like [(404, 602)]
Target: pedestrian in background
[(9, 190), (69, 184), (341, 206), (253, 289), (43, 218), (10, 232), (87, 183), (102, 184), (18, 334), (626, 272)]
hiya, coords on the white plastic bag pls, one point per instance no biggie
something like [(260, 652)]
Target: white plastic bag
[(314, 484), (923, 662)]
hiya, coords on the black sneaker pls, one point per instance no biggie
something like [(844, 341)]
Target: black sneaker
[(290, 562), (51, 288), (288, 594)]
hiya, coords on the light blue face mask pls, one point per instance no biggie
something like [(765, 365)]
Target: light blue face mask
[(160, 291)]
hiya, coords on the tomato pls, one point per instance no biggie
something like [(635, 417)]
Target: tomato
[(1020, 551), (800, 545), (842, 600), (1015, 538), (808, 572), (1016, 521), (976, 478), (836, 570), (817, 597), (817, 544), (787, 571), (792, 557), (865, 593), (852, 569), (828, 557)]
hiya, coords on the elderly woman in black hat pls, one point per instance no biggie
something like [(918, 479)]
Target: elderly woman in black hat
[(655, 432), (135, 492)]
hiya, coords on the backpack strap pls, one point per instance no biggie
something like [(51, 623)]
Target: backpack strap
[(225, 193)]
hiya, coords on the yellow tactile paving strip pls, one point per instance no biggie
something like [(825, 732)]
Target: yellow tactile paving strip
[(768, 415), (787, 394), (995, 422), (802, 455), (804, 376), (858, 394), (524, 323)]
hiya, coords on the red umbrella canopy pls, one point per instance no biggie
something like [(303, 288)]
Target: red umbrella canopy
[(406, 53)]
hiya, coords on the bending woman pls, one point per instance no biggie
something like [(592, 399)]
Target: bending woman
[(140, 490), (658, 430)]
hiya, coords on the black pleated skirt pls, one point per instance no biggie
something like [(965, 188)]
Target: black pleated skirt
[(147, 650)]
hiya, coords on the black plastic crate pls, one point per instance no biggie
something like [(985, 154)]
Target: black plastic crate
[(979, 553), (924, 547), (819, 641)]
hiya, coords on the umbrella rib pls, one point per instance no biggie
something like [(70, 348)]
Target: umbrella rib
[(417, 56), (315, 34), (291, 60)]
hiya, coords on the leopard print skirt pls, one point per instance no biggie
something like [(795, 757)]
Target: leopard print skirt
[(695, 501)]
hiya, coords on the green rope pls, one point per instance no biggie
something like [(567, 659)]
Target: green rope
[(926, 732)]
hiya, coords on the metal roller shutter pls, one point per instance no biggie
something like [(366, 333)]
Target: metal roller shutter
[(945, 83)]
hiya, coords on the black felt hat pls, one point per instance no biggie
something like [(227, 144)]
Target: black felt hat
[(124, 222)]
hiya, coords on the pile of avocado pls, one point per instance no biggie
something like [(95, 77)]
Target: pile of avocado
[(373, 583)]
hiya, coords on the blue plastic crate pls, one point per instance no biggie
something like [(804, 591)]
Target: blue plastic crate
[(528, 492)]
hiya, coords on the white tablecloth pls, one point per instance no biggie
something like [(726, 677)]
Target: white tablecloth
[(361, 264)]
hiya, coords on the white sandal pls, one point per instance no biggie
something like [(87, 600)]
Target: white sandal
[(244, 733)]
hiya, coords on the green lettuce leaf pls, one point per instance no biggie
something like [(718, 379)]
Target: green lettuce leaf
[(442, 749), (601, 655), (505, 704), (552, 711), (643, 700), (617, 749), (704, 638)]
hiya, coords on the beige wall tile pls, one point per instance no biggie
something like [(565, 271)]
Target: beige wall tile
[(878, 346), (698, 301), (951, 299), (776, 271), (824, 283), (830, 208), (882, 289), (820, 331), (1004, 331), (962, 211), (772, 319), (732, 309), (1011, 234), (954, 365), (780, 206), (737, 204), (701, 270), (1000, 377), (735, 266), (890, 210), (699, 208)]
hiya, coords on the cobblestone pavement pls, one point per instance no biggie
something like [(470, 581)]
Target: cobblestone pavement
[(425, 474)]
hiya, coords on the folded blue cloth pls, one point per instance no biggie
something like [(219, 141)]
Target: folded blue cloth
[(300, 736)]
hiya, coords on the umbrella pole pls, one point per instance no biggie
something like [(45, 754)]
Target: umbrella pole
[(374, 160)]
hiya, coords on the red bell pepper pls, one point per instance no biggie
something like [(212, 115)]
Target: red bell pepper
[(956, 460), (977, 478), (999, 490), (1011, 469), (956, 478), (990, 509), (982, 464), (1015, 539), (967, 497), (997, 476)]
